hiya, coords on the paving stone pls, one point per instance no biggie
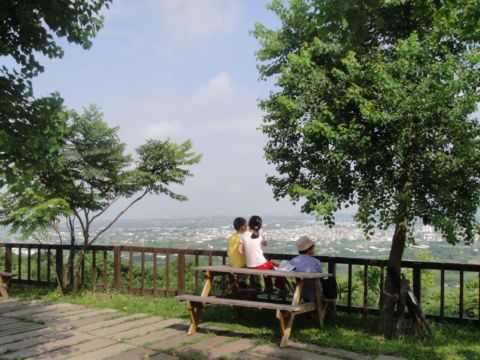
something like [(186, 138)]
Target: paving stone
[(344, 354), (10, 307), (154, 337), (117, 320), (25, 328), (144, 330), (387, 357), (277, 352), (162, 356), (71, 325), (175, 341), (205, 344), (19, 345), (52, 316), (12, 326), (26, 335), (93, 345), (230, 348), (136, 354), (103, 353), (251, 356), (51, 344), (31, 311), (118, 329), (6, 321)]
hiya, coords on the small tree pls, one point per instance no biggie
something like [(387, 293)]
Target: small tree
[(373, 106), (31, 129), (93, 174)]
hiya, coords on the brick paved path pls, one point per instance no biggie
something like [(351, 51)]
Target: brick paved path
[(39, 330)]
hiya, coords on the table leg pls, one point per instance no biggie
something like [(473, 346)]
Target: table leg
[(3, 287), (295, 301), (281, 320), (321, 307), (195, 309)]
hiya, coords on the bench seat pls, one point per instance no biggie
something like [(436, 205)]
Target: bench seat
[(300, 308)]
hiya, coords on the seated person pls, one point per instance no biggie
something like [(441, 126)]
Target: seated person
[(305, 262), (251, 245), (235, 259)]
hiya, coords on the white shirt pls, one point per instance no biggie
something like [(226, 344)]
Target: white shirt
[(252, 249)]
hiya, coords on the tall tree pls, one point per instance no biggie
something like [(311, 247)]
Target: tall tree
[(31, 129), (93, 174), (373, 106)]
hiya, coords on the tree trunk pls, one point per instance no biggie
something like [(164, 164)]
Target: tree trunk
[(390, 318)]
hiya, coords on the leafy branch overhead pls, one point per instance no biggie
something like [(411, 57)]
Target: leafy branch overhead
[(32, 129)]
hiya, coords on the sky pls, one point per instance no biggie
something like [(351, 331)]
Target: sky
[(180, 69)]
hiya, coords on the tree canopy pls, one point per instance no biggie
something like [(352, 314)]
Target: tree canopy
[(374, 105), (31, 129)]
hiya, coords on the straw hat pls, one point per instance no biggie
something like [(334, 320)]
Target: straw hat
[(304, 243)]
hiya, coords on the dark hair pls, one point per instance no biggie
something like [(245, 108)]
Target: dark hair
[(239, 222), (255, 223), (307, 250)]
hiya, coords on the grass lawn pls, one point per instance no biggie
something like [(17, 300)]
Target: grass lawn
[(350, 332)]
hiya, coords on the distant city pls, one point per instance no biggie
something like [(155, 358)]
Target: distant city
[(281, 232)]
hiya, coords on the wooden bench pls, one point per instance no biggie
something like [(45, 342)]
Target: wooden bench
[(285, 313), (4, 280)]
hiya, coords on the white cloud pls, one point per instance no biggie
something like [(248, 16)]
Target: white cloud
[(162, 129), (216, 89), (192, 20)]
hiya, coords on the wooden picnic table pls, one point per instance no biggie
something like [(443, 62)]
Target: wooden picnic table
[(285, 312), (4, 280)]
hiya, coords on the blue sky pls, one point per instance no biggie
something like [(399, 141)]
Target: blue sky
[(180, 69)]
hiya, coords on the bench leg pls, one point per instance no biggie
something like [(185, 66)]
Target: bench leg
[(281, 320), (3, 288), (194, 310), (321, 306), (287, 331)]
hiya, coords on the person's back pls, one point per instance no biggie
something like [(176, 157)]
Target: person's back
[(236, 259), (305, 262)]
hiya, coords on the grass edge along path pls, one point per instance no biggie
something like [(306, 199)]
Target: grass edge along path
[(349, 332)]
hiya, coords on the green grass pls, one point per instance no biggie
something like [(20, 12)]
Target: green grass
[(349, 332)]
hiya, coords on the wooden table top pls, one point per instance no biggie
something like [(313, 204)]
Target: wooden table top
[(232, 270)]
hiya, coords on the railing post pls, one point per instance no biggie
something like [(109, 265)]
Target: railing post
[(8, 258), (332, 268), (59, 264), (117, 268), (181, 273), (417, 283)]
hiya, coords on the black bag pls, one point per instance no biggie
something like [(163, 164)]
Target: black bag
[(329, 288)]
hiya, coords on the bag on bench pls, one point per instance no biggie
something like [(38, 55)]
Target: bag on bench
[(329, 288)]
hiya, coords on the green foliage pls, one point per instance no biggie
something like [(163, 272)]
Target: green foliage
[(32, 129), (373, 106), (92, 174)]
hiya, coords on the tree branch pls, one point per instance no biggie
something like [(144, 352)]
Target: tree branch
[(105, 209), (118, 216)]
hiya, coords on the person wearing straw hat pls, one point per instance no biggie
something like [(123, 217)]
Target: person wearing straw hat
[(305, 262)]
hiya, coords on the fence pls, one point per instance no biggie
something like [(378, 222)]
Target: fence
[(168, 271)]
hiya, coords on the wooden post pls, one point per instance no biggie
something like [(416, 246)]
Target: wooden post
[(181, 273), (417, 283), (365, 290), (332, 268), (38, 264), (94, 270), (8, 258), (442, 294), (29, 264), (460, 305), (117, 268), (49, 264), (349, 294), (59, 264)]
